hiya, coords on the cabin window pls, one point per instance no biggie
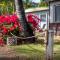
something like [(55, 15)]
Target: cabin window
[(57, 13), (43, 17)]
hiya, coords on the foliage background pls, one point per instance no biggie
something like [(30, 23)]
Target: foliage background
[(8, 7)]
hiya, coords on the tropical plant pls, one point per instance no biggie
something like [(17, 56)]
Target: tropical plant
[(10, 26), (7, 7), (9, 23), (43, 4), (27, 4)]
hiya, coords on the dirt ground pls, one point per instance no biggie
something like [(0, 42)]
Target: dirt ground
[(7, 53)]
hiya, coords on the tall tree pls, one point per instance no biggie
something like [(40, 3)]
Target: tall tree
[(27, 31)]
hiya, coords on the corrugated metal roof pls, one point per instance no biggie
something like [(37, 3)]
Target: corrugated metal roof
[(36, 9)]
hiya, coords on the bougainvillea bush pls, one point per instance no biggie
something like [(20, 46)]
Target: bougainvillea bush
[(9, 23), (34, 21)]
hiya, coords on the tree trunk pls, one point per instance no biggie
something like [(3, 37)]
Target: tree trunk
[(27, 31)]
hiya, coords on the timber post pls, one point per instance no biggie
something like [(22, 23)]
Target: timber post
[(54, 19), (49, 45)]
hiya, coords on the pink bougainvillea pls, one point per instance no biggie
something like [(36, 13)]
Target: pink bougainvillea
[(13, 19), (8, 20), (34, 20)]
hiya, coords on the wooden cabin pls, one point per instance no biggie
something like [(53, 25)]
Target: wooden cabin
[(55, 16)]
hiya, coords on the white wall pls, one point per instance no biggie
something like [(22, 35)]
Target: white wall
[(43, 14)]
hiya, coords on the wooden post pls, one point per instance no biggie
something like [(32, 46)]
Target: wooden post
[(49, 45)]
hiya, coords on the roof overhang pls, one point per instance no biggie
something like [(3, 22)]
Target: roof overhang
[(36, 9)]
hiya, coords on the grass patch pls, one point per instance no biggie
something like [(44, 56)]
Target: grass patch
[(35, 51), (57, 52), (30, 51)]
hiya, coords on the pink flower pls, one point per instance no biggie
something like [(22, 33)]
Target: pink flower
[(15, 25), (7, 19), (14, 18), (5, 31), (12, 28), (30, 20)]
